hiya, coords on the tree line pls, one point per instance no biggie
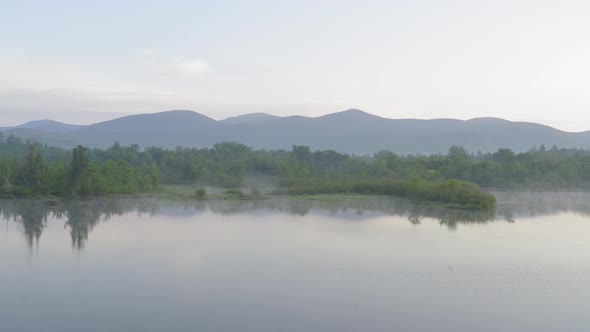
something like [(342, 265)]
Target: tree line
[(227, 164), (32, 175), (38, 169)]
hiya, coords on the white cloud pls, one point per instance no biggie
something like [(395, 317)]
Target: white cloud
[(190, 66), (161, 63), (147, 82)]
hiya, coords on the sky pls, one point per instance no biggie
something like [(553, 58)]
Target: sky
[(88, 61)]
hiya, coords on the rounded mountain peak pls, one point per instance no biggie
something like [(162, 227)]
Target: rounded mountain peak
[(351, 114)]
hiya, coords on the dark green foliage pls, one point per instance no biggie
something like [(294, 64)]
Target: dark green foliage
[(15, 191), (454, 193), (234, 192), (79, 175), (43, 170), (200, 194), (33, 170), (31, 176)]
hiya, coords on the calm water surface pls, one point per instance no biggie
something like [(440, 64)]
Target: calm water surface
[(369, 264)]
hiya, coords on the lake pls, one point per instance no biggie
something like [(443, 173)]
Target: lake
[(346, 264)]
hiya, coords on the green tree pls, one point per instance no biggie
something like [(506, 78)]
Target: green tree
[(56, 179), (7, 169), (200, 193), (80, 172), (34, 169)]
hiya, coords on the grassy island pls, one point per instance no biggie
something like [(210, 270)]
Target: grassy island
[(452, 193)]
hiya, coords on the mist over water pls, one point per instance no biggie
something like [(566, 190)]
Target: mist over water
[(294, 264)]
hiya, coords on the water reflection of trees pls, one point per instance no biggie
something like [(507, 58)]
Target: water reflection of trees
[(513, 205), (358, 208), (81, 217), (31, 219)]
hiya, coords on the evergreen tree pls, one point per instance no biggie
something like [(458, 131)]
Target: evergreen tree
[(34, 169), (80, 175)]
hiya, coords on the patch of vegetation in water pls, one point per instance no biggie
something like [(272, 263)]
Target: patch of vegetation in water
[(452, 193), (235, 193), (199, 193)]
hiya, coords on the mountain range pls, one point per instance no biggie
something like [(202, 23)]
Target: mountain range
[(351, 131)]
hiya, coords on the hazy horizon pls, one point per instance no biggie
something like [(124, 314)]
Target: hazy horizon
[(82, 63)]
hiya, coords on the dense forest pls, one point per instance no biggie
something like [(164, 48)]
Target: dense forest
[(28, 168), (31, 170)]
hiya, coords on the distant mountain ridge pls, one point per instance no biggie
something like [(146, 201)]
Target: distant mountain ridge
[(50, 126), (248, 118), (351, 131)]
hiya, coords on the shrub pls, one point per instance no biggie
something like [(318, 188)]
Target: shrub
[(200, 194)]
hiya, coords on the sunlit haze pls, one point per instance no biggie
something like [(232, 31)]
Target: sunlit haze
[(82, 62)]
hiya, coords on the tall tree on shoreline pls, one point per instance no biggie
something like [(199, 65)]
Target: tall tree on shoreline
[(80, 174), (34, 168)]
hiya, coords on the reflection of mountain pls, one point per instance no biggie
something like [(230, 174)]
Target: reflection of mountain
[(81, 217)]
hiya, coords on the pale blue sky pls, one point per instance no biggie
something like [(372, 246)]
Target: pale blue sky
[(84, 61)]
